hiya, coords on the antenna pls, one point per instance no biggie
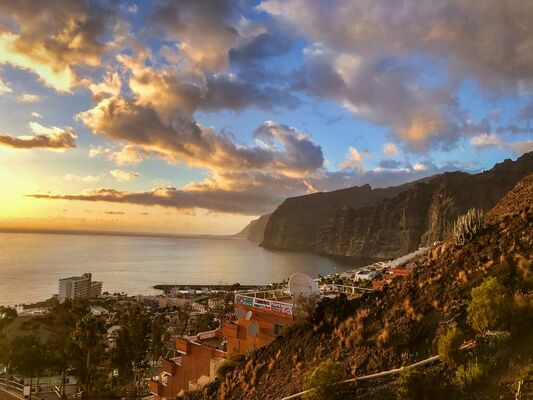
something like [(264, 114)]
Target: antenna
[(239, 312), (248, 316), (302, 285), (253, 329)]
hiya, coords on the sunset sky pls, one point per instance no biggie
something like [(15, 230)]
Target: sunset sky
[(195, 116)]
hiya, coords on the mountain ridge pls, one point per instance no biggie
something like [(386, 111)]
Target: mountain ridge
[(361, 222)]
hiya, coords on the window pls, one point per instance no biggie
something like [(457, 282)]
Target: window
[(278, 329)]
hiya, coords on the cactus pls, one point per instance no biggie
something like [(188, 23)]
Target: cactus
[(467, 226)]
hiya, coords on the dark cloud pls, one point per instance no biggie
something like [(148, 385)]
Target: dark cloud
[(183, 140), (363, 57), (204, 29)]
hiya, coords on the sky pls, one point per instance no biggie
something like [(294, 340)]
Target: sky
[(196, 116)]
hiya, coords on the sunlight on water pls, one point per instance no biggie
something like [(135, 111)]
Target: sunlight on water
[(31, 264)]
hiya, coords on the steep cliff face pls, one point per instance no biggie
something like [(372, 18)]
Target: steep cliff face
[(382, 223), (255, 230)]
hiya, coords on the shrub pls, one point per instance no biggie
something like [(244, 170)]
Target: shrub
[(449, 344), (490, 306), (472, 372), (467, 226), (415, 384), (304, 306), (230, 364), (322, 379)]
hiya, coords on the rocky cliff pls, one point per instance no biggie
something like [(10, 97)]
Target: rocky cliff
[(362, 222), (402, 324), (255, 230)]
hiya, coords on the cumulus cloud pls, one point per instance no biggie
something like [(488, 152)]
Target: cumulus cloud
[(204, 29), (52, 37), (36, 115), (353, 160), (123, 176), (43, 137), (486, 140), (85, 179), (492, 140), (182, 139), (4, 88), (362, 57), (28, 98), (390, 148)]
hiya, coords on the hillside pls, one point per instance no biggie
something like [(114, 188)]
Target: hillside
[(402, 323), (362, 222), (255, 230)]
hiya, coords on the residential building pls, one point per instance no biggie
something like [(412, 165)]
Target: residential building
[(260, 318), (79, 287)]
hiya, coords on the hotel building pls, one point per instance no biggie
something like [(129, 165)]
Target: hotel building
[(79, 287)]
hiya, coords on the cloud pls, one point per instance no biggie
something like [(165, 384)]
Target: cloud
[(182, 139), (4, 88), (204, 29), (390, 148), (353, 160), (486, 140), (123, 176), (252, 192), (114, 212), (43, 137), (36, 115), (86, 179), (373, 59), (65, 34), (28, 98), (520, 148)]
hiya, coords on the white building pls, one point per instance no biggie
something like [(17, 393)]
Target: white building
[(79, 287)]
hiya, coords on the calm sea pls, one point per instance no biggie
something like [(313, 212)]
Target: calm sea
[(31, 264)]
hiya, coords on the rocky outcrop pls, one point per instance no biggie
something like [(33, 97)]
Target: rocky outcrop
[(362, 222), (255, 230)]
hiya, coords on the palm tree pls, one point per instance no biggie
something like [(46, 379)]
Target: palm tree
[(89, 338)]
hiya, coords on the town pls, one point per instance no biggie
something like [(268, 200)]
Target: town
[(181, 338)]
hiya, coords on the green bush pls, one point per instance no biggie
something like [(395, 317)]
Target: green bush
[(467, 226), (472, 372), (490, 306), (322, 379), (417, 384), (449, 345)]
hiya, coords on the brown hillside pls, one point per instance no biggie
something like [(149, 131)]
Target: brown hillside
[(400, 325)]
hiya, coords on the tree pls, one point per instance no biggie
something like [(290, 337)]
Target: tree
[(322, 379), (62, 320), (132, 345), (89, 342), (28, 356), (490, 306)]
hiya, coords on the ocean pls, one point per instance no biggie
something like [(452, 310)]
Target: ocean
[(32, 263)]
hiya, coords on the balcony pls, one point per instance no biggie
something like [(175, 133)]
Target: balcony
[(272, 300)]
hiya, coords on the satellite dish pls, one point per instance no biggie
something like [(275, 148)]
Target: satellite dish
[(253, 329), (248, 316), (239, 312), (302, 285)]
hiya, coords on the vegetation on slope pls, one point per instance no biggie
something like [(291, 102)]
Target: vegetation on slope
[(481, 290)]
